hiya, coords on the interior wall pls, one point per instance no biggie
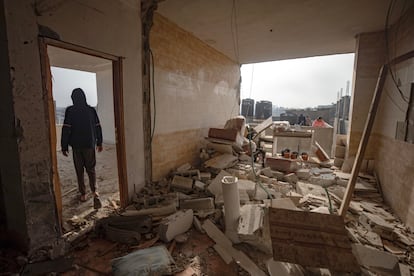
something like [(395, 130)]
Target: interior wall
[(196, 88), (106, 105), (112, 27), (109, 26), (393, 158), (32, 188), (12, 212)]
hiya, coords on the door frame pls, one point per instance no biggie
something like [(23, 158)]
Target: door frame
[(117, 74)]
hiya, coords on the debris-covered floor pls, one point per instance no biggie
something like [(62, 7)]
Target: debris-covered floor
[(178, 226)]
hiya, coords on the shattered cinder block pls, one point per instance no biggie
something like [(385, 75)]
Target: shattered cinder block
[(205, 176), (175, 224), (199, 185), (267, 172), (182, 183), (184, 167)]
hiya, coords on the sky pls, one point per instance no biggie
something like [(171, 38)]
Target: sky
[(298, 83), (65, 80)]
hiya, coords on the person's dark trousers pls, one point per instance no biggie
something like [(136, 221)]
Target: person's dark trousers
[(85, 159)]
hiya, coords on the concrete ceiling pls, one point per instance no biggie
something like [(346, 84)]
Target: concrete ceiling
[(77, 61), (265, 30)]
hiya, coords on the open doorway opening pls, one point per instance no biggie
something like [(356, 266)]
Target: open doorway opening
[(64, 69)]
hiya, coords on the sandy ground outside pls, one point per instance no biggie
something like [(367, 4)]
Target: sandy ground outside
[(106, 178)]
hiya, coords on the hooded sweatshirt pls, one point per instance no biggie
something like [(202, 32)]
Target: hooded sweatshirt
[(81, 128)]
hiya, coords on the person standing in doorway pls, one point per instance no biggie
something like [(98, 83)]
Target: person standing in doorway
[(82, 131)]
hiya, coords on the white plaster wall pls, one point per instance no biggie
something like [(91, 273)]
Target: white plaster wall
[(113, 27), (184, 103), (106, 105)]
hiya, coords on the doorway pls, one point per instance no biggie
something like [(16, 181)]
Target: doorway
[(66, 67)]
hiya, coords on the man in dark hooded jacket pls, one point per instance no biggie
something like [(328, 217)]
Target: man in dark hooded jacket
[(82, 131)]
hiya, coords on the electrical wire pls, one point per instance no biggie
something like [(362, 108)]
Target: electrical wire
[(153, 93)]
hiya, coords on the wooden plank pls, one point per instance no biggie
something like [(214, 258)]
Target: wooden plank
[(364, 141), (47, 88), (311, 239)]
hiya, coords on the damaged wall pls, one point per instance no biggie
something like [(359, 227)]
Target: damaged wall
[(109, 26), (393, 158), (196, 88)]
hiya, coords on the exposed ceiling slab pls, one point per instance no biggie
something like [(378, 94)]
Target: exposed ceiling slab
[(264, 30)]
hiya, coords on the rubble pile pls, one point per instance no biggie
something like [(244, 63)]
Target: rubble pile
[(191, 199)]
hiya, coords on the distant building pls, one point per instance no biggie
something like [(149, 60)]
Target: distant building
[(247, 108), (263, 110)]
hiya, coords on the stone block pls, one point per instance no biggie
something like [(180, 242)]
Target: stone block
[(205, 176), (182, 183), (291, 178), (175, 224), (303, 173), (199, 185), (323, 180), (338, 162), (267, 172)]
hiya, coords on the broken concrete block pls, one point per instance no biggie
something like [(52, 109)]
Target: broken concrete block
[(295, 197), (323, 180), (194, 174), (376, 223), (223, 161), (198, 203), (182, 183), (377, 260), (247, 185), (184, 167), (267, 172), (175, 224), (283, 269), (291, 178), (205, 176), (199, 185), (251, 219), (197, 225), (303, 173), (215, 186), (155, 260), (278, 175), (219, 147)]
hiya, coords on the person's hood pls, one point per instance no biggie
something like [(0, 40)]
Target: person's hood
[(78, 97)]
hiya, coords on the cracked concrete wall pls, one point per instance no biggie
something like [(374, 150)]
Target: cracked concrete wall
[(393, 158), (113, 27), (32, 186), (196, 87)]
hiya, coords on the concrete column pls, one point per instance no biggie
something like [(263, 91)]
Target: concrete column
[(369, 57), (231, 207)]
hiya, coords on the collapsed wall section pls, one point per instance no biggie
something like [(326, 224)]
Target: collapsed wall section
[(196, 87)]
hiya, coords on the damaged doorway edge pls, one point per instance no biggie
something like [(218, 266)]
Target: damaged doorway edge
[(118, 114)]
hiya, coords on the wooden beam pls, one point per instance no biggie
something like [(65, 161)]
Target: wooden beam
[(364, 141)]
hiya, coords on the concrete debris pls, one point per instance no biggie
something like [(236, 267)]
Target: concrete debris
[(292, 178), (379, 261), (183, 168), (324, 180), (281, 164), (283, 269), (155, 260), (215, 186), (303, 174), (251, 219), (284, 203), (197, 204), (175, 224), (221, 162), (205, 176), (182, 183), (199, 185)]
